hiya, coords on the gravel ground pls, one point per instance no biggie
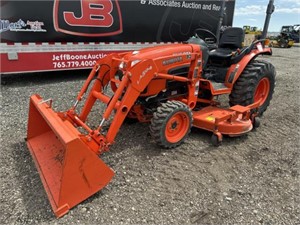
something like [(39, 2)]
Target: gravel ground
[(252, 179)]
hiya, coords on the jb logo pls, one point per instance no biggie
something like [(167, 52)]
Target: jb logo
[(94, 13), (88, 17)]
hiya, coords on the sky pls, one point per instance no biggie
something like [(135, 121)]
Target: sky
[(253, 12)]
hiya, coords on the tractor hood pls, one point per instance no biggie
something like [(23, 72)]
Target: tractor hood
[(161, 51)]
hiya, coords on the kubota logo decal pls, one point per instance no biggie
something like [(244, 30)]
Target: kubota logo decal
[(171, 61), (87, 17)]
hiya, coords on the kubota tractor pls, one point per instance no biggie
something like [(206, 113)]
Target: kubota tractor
[(172, 87)]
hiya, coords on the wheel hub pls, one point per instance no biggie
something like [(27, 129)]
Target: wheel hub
[(174, 125), (262, 91), (177, 127)]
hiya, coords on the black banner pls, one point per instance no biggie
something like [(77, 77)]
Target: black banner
[(109, 20)]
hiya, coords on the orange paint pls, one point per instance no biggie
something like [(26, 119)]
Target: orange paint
[(67, 159)]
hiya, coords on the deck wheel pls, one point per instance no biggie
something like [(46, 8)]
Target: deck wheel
[(216, 139)]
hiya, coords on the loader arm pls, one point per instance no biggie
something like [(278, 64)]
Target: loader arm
[(123, 99), (134, 80)]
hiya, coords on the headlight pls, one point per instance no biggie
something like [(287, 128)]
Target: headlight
[(134, 62), (122, 65)]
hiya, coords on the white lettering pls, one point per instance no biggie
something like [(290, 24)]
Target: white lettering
[(144, 73), (61, 61)]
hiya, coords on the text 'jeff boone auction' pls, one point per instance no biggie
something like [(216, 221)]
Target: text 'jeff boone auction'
[(75, 60)]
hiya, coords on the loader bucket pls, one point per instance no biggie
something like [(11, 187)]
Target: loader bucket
[(69, 170)]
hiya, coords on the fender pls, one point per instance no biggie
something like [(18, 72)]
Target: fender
[(236, 70)]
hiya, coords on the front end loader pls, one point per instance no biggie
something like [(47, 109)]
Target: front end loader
[(172, 87)]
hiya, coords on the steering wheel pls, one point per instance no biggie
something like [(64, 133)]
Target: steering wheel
[(206, 35)]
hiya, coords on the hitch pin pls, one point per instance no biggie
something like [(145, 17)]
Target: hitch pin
[(47, 100)]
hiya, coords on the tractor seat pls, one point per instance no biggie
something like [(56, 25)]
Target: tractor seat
[(230, 42), (221, 53)]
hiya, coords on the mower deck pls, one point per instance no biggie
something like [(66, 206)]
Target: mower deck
[(225, 121)]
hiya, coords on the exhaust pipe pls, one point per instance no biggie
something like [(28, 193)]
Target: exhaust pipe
[(270, 10)]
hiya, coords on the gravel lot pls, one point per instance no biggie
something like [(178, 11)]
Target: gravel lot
[(252, 179)]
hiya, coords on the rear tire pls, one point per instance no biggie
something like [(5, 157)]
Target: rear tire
[(171, 124), (257, 82)]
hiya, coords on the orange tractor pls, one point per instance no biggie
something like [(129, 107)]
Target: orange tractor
[(172, 87)]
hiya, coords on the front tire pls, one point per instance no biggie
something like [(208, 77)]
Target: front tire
[(256, 83), (171, 124)]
